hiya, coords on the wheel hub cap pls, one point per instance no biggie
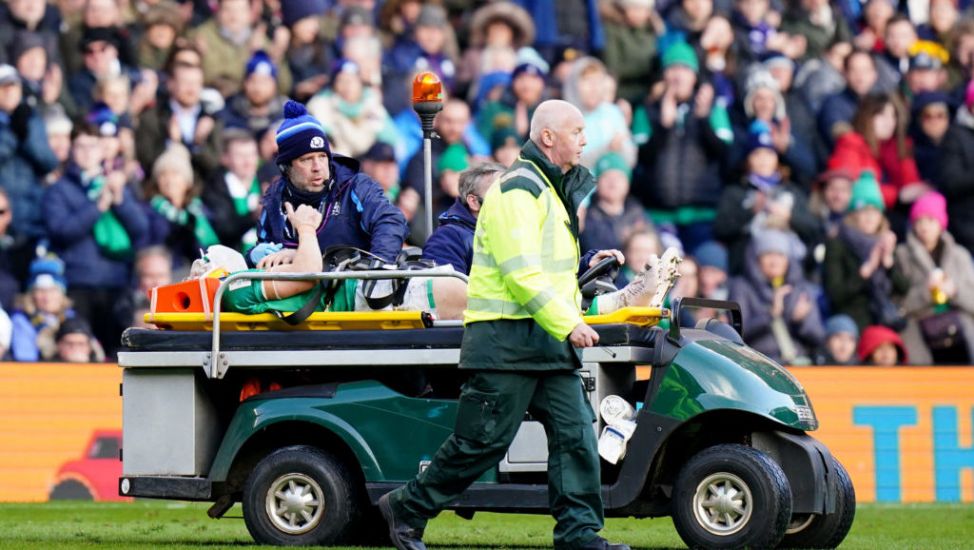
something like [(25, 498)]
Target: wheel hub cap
[(722, 504), (295, 503)]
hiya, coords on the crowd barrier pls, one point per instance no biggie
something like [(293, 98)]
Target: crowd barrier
[(905, 434)]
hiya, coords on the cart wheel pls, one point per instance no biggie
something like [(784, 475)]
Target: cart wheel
[(825, 531), (299, 496), (731, 496)]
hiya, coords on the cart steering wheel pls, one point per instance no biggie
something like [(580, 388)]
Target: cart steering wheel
[(608, 267)]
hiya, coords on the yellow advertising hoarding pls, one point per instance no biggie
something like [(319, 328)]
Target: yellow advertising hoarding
[(904, 434)]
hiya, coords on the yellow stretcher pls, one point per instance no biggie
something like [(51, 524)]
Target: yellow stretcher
[(361, 320)]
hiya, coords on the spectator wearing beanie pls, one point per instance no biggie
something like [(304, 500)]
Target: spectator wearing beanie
[(41, 17), (783, 320), (678, 172), (763, 101), (860, 275), (516, 105), (956, 167), (712, 270), (25, 157), (763, 198), (356, 212), (43, 80), (941, 275), (612, 215), (882, 347), (310, 56), (95, 225), (97, 15), (351, 113), (46, 306), (259, 104), (76, 343), (229, 39), (841, 341)]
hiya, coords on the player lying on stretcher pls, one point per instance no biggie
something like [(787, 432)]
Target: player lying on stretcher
[(444, 297)]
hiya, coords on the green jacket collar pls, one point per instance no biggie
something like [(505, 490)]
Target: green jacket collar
[(572, 187)]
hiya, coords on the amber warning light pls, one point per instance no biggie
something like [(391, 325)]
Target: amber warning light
[(427, 88)]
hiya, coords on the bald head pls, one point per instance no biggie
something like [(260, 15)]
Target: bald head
[(558, 129), (550, 115)]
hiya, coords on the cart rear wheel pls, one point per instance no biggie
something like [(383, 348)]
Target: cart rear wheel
[(826, 531), (299, 496), (731, 496)]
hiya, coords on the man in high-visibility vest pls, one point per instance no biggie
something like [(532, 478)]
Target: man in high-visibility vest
[(523, 325)]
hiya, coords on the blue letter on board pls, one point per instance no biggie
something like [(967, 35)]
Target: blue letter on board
[(886, 422), (948, 456)]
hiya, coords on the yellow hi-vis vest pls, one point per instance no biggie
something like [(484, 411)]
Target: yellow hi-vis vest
[(525, 257)]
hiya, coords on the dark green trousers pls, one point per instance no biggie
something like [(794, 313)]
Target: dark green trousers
[(491, 408)]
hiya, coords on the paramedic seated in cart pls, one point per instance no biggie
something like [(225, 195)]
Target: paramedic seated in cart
[(443, 297)]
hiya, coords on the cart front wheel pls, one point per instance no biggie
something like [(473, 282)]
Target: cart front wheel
[(826, 531), (299, 496), (731, 496)]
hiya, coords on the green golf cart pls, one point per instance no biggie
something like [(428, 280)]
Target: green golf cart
[(308, 428)]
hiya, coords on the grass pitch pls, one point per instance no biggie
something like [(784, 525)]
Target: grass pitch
[(65, 526)]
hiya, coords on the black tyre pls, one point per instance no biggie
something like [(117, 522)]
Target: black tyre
[(70, 489), (300, 496), (825, 531), (731, 496)]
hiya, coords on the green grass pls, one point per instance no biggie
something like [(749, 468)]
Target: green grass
[(65, 526)]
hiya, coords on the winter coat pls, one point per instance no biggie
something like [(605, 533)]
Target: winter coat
[(681, 165), (224, 60), (853, 154), (152, 136), (353, 128), (229, 226), (70, 217), (177, 238), (238, 113), (547, 33), (630, 55), (836, 108), (356, 213), (604, 231), (452, 242), (818, 38), (916, 264), (846, 290), (956, 182), (733, 223), (754, 293), (25, 158), (16, 252)]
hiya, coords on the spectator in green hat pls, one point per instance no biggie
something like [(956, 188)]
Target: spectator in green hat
[(613, 216), (678, 172), (453, 161), (860, 274)]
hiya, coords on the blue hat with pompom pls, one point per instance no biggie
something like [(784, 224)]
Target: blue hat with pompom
[(299, 134)]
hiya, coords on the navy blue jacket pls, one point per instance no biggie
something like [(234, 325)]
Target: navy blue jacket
[(356, 213), (452, 242), (70, 218), (24, 160), (840, 107)]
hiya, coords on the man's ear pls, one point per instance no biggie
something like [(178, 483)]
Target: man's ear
[(546, 138)]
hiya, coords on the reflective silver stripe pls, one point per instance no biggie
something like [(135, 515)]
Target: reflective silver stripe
[(539, 301), (520, 262), (484, 259), (555, 266), (526, 174), (500, 307)]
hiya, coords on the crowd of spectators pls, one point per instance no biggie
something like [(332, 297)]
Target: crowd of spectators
[(813, 159)]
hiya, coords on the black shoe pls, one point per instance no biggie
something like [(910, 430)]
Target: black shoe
[(599, 543), (403, 536)]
